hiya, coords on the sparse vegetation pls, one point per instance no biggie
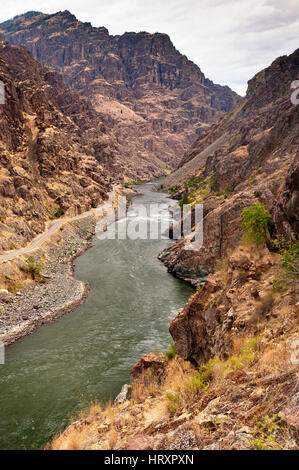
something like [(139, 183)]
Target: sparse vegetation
[(265, 304), (227, 191), (255, 223), (33, 267), (59, 213), (173, 400), (202, 378), (171, 353), (196, 190), (244, 358), (265, 433)]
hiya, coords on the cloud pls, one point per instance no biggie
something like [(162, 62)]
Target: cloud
[(230, 40)]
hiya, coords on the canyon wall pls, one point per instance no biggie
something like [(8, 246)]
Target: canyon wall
[(54, 148), (155, 99), (249, 156)]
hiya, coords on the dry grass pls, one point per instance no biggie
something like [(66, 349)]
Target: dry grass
[(145, 386), (275, 359)]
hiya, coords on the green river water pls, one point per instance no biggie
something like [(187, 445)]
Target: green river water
[(49, 375)]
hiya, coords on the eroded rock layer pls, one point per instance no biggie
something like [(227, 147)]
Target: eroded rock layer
[(54, 149), (155, 99)]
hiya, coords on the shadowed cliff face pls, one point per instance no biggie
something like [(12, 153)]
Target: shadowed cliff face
[(54, 149), (155, 99), (251, 155)]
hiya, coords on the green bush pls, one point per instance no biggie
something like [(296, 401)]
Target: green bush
[(59, 213), (255, 223), (201, 379), (265, 433), (171, 353), (185, 200), (173, 400), (33, 267), (290, 258)]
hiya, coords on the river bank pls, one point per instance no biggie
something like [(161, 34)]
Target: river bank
[(56, 293), (37, 303)]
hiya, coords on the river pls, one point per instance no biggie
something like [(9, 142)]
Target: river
[(50, 375)]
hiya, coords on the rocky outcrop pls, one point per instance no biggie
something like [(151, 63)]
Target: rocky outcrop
[(155, 99), (286, 213), (149, 361), (250, 156)]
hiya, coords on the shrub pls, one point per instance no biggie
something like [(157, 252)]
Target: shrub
[(201, 379), (265, 433), (173, 400), (59, 213), (33, 267), (290, 258), (255, 223), (289, 266), (244, 358), (171, 353)]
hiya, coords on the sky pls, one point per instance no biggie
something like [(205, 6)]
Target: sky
[(230, 40)]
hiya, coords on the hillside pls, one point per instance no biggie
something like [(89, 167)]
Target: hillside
[(54, 149), (156, 100), (250, 156)]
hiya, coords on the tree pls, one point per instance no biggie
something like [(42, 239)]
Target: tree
[(255, 223)]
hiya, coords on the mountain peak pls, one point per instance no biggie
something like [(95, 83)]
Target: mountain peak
[(157, 99)]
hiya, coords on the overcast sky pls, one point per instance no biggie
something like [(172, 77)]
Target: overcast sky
[(230, 40)]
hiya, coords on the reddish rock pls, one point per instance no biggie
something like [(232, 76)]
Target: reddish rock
[(149, 361), (140, 442), (290, 414)]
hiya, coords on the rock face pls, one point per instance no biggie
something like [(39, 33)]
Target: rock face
[(155, 99), (54, 149), (226, 306), (251, 155), (149, 361)]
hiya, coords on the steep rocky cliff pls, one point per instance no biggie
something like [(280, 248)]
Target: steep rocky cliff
[(251, 155), (156, 100), (54, 149)]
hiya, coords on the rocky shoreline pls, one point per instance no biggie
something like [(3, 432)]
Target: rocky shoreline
[(40, 303), (59, 293)]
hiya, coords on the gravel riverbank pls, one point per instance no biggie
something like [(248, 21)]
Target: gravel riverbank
[(39, 303)]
